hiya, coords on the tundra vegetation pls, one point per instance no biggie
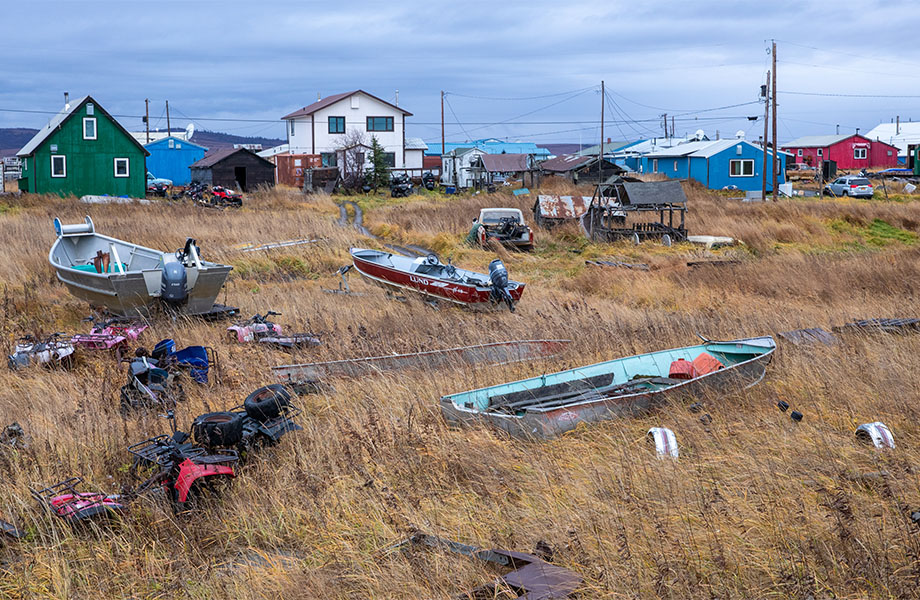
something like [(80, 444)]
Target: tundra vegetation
[(758, 506)]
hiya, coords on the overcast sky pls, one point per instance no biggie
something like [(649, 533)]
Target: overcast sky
[(534, 67)]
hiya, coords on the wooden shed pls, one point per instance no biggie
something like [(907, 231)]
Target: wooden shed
[(233, 167)]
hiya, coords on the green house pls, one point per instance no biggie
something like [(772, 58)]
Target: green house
[(83, 150)]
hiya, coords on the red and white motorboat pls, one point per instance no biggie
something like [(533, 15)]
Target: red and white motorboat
[(430, 277)]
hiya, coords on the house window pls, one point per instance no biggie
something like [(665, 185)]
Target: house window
[(171, 143), (820, 151), (675, 165), (329, 159), (390, 159), (121, 167), (859, 153), (292, 128), (889, 153), (800, 152), (380, 123), (89, 128), (58, 165), (336, 124), (741, 168), (654, 165), (90, 109)]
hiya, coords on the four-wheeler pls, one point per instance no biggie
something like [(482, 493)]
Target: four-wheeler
[(56, 350), (504, 225), (263, 418), (108, 335), (149, 384), (400, 186), (259, 329), (182, 469), (429, 180), (221, 196), (65, 501), (197, 360)]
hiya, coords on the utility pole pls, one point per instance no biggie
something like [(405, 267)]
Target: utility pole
[(664, 121), (600, 151), (147, 117), (775, 144), (672, 125), (167, 118), (766, 121), (442, 123)]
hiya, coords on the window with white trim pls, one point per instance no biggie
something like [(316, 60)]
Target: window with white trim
[(122, 167), (58, 165), (89, 128), (675, 165), (654, 165), (820, 151), (800, 152), (742, 167), (860, 153)]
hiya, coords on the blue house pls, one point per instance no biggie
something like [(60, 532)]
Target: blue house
[(170, 158), (716, 164)]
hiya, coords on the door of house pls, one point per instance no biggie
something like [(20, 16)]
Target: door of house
[(239, 174)]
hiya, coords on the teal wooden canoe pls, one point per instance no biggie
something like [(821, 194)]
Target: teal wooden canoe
[(546, 406)]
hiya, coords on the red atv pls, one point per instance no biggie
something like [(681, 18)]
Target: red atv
[(65, 501)]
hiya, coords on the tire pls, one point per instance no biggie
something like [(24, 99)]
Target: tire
[(267, 402), (844, 193), (218, 429)]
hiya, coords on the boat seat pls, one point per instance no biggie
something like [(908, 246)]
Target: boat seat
[(92, 269)]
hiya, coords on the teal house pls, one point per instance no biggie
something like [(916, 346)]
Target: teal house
[(83, 150)]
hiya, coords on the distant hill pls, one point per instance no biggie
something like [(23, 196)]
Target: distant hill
[(12, 139)]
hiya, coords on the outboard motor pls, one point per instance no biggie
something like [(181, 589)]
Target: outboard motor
[(173, 282), (498, 275)]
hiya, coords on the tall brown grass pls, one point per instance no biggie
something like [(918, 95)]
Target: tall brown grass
[(757, 506)]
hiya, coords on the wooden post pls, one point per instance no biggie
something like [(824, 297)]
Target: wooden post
[(766, 122), (167, 119), (775, 143), (147, 117)]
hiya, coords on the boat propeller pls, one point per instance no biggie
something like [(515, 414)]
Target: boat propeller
[(498, 275)]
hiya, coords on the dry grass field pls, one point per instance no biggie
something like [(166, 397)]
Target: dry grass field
[(758, 506)]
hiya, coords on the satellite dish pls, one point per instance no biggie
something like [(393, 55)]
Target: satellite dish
[(739, 134), (189, 130), (700, 134)]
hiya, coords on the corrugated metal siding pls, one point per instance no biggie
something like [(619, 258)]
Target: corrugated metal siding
[(289, 168), (173, 163)]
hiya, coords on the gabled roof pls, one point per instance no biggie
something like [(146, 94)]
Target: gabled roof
[(156, 136), (817, 141), (462, 151), (566, 162), (59, 119), (413, 143), (704, 149), (215, 156), (181, 140), (330, 100), (608, 148)]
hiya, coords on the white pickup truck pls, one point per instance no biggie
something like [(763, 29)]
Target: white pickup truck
[(504, 225)]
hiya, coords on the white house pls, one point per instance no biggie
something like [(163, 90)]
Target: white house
[(461, 167), (900, 134), (346, 122)]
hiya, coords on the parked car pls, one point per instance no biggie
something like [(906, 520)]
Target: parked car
[(505, 225), (154, 181), (849, 185)]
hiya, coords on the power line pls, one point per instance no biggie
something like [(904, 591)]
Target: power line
[(456, 119), (523, 97), (836, 95)]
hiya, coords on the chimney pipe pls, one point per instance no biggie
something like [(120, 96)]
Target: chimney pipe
[(857, 131), (66, 100), (397, 97), (897, 127), (318, 97), (838, 128)]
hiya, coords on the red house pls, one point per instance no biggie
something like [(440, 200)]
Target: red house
[(849, 151)]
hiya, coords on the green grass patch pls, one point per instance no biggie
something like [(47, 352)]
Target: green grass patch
[(876, 234)]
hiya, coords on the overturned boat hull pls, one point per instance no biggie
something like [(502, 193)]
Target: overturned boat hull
[(498, 353), (547, 406)]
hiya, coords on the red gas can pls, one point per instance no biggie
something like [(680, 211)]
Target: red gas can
[(682, 369)]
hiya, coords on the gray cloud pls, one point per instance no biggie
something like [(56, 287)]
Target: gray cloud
[(253, 60)]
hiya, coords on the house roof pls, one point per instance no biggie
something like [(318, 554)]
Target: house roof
[(215, 156), (566, 162), (493, 146), (898, 135), (413, 143), (156, 136), (505, 163), (704, 149), (57, 120), (181, 140), (330, 100), (608, 148), (654, 192), (274, 151), (817, 141), (467, 150)]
